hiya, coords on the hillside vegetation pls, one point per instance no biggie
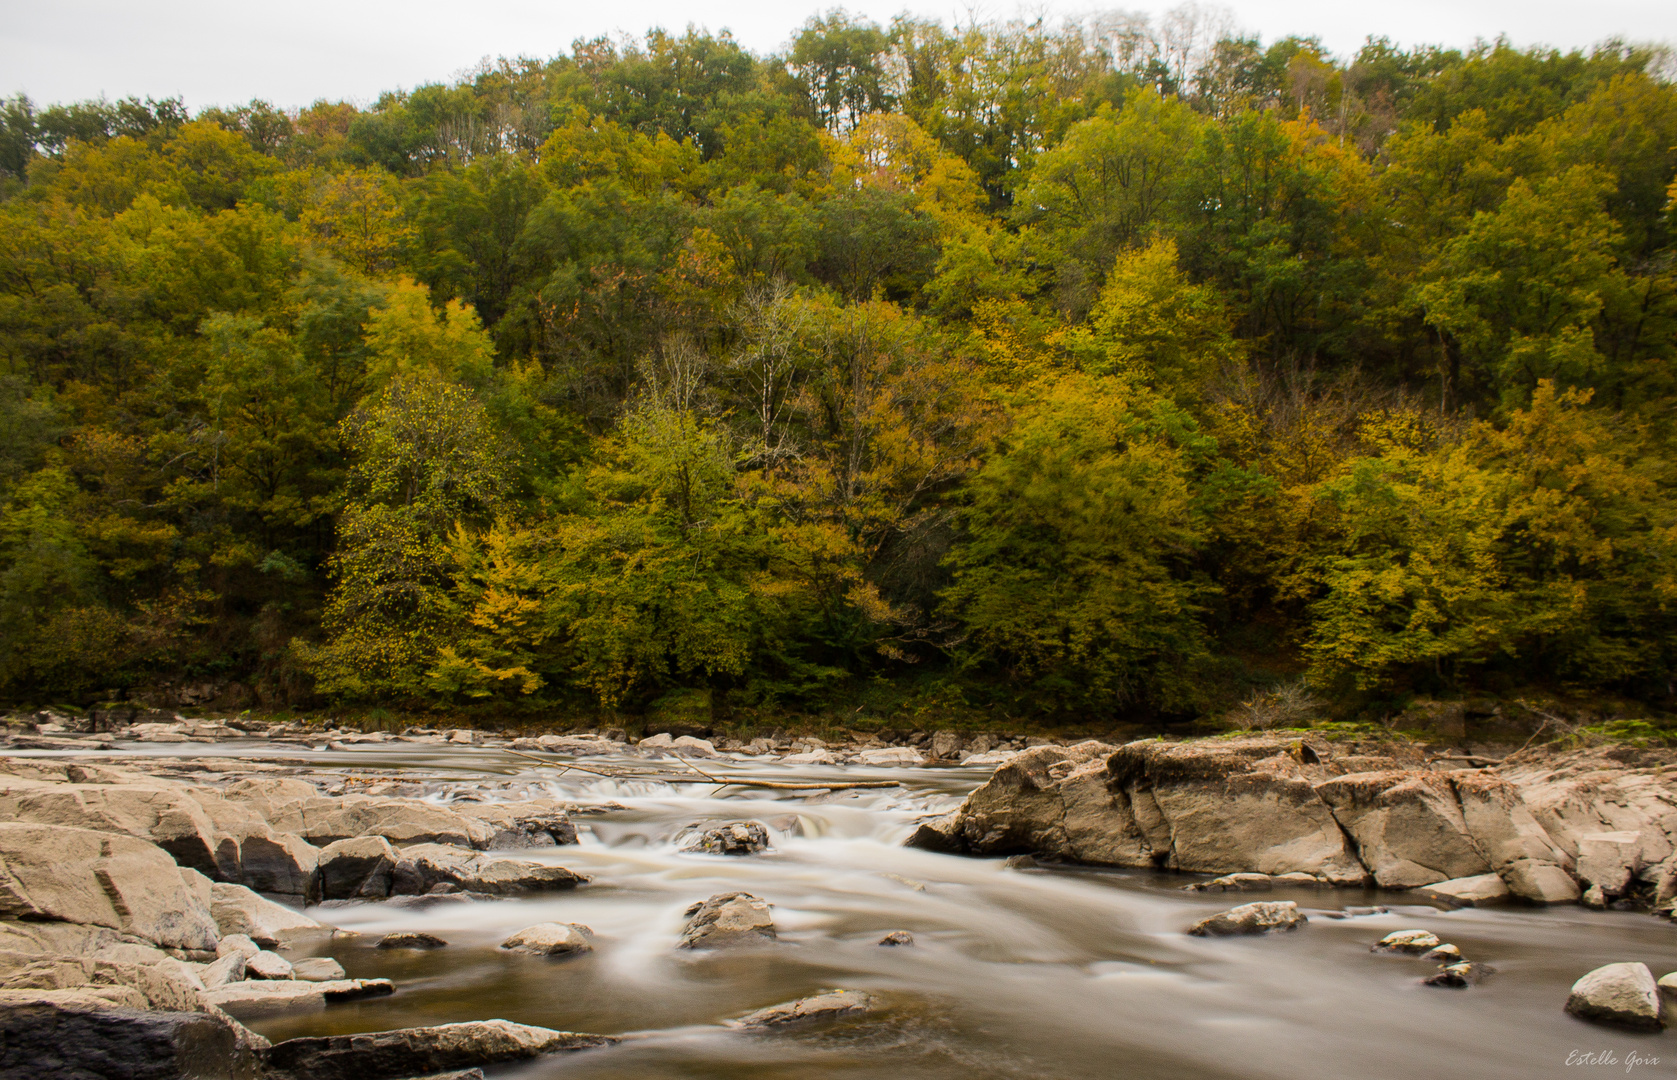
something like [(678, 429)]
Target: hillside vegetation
[(1013, 370)]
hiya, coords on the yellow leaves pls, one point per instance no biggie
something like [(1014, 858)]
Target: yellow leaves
[(356, 217), (407, 335)]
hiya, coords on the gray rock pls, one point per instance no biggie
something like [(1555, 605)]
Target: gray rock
[(1413, 942), (237, 910), (46, 1039), (1258, 918), (229, 968), (237, 943), (267, 965), (361, 867), (727, 919), (897, 937), (551, 939), (1595, 898), (254, 1000), (412, 1052), (410, 939), (1540, 882), (532, 823), (425, 866), (821, 1008), (1620, 995), (1473, 891), (733, 838), (317, 969)]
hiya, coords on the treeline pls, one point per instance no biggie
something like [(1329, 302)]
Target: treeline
[(1103, 370)]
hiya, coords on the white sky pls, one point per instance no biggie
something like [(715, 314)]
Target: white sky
[(226, 52)]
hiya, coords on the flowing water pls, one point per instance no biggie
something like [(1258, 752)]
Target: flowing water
[(1014, 973)]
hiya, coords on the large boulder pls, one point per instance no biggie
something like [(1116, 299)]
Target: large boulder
[(237, 910), (101, 879), (805, 1012), (1023, 808), (725, 919), (47, 1037), (1620, 995), (425, 866), (1540, 882), (1408, 826), (168, 817), (167, 984), (941, 834), (401, 821), (411, 1052), (1259, 918), (360, 868), (1231, 805)]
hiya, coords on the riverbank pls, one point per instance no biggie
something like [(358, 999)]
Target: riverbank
[(213, 849)]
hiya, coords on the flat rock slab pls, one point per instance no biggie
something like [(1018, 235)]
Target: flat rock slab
[(317, 969), (410, 1052), (1235, 883), (1619, 995), (410, 939), (1468, 891), (1259, 918), (821, 1008), (728, 919), (253, 1000)]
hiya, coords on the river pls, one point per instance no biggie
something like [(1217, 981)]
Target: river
[(1034, 973)]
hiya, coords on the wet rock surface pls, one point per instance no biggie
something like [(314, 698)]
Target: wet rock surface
[(806, 1012), (1259, 918), (733, 838), (726, 919), (551, 939)]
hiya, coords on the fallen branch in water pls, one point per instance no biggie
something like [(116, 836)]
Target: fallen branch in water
[(720, 781)]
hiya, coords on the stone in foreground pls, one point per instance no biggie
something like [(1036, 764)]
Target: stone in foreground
[(408, 1052), (1467, 892), (733, 838), (551, 939), (1406, 941), (735, 918), (1620, 995), (823, 1007), (1259, 918), (40, 1040)]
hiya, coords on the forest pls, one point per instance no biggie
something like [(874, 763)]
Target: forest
[(1115, 370)]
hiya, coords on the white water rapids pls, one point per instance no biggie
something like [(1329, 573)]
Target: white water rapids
[(1066, 973)]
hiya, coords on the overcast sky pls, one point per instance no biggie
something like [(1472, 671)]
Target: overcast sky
[(293, 53)]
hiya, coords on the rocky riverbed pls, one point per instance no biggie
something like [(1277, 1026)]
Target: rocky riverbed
[(203, 900)]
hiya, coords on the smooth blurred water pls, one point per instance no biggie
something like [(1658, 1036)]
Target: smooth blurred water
[(1035, 973)]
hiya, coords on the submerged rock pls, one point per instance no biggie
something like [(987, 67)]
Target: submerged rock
[(1258, 918), (727, 919), (1235, 883), (411, 1052), (1621, 995), (551, 939), (821, 1008), (733, 838), (409, 939)]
